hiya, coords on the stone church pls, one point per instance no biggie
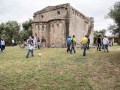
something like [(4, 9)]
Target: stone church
[(56, 23)]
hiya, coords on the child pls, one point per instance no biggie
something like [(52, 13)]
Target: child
[(30, 46)]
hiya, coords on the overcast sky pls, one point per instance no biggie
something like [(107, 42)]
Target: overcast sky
[(22, 10)]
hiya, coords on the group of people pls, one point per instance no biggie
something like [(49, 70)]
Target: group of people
[(85, 44), (102, 42), (2, 44), (71, 42)]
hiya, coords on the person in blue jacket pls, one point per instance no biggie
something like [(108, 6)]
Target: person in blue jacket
[(68, 41), (0, 44)]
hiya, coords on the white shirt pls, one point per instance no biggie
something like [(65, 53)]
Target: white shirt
[(30, 46), (38, 43), (12, 41), (105, 40), (2, 42)]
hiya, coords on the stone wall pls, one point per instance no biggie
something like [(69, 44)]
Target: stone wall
[(51, 23), (80, 25), (57, 33), (55, 23)]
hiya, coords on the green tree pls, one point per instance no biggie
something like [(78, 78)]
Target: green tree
[(2, 28), (9, 30), (114, 14), (27, 29), (97, 33)]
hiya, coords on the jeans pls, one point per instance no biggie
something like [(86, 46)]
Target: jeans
[(2, 48), (99, 46), (13, 44), (88, 45), (38, 46), (29, 53), (84, 51), (68, 47), (72, 48), (105, 46)]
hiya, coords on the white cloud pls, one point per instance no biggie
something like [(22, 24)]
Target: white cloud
[(22, 10)]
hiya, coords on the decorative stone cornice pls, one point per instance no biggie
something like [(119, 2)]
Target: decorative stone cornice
[(50, 8)]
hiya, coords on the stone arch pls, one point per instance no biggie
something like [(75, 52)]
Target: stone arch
[(35, 34)]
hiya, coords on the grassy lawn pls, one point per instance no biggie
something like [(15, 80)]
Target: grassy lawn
[(57, 70)]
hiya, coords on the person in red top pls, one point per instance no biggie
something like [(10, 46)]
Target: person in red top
[(43, 41)]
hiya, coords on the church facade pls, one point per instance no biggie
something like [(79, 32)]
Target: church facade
[(56, 23)]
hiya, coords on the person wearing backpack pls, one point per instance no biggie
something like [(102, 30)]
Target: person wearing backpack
[(73, 43), (30, 46), (68, 43)]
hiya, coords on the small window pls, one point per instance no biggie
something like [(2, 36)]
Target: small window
[(58, 12), (42, 16), (57, 24), (42, 26), (52, 25), (66, 7)]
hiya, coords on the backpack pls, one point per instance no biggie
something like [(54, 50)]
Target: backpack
[(68, 40), (88, 40)]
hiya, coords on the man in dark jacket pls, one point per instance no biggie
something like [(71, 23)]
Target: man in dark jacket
[(99, 42)]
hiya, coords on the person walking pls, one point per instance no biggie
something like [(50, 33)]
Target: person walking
[(105, 43), (68, 41), (38, 43), (30, 46), (88, 43), (13, 42), (35, 42), (84, 43), (43, 41), (73, 43), (99, 42), (2, 45)]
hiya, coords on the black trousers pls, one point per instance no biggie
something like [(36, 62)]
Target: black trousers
[(99, 46), (68, 47)]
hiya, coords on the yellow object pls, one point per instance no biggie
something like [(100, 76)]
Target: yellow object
[(74, 40), (84, 40)]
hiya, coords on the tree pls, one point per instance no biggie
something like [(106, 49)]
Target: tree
[(27, 29), (97, 33), (115, 15), (9, 30), (2, 25)]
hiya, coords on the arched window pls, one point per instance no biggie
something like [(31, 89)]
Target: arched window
[(58, 25), (41, 16)]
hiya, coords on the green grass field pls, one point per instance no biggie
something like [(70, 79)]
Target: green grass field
[(57, 70)]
